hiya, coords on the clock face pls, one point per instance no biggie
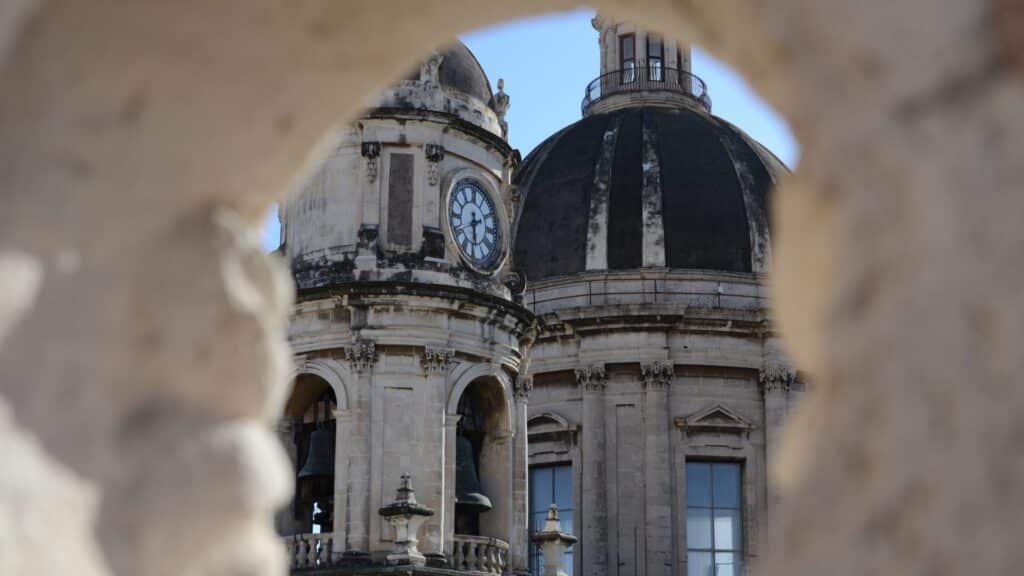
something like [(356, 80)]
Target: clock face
[(474, 224)]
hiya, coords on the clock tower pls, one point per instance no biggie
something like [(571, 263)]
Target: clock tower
[(408, 338)]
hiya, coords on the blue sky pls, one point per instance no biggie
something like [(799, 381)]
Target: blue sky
[(547, 62)]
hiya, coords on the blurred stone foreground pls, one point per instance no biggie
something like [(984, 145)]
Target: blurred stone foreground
[(142, 329)]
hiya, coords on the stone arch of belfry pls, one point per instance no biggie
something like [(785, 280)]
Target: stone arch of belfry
[(141, 142)]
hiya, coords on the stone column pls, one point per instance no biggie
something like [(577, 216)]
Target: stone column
[(518, 547), (362, 355), (451, 424), (436, 363), (593, 512), (342, 441), (775, 380), (656, 379)]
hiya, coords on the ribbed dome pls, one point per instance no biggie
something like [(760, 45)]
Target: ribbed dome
[(644, 186)]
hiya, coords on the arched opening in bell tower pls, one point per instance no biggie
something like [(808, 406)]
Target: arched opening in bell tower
[(309, 436), (482, 461)]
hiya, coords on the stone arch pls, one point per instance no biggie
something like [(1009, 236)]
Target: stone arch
[(333, 372), (466, 374)]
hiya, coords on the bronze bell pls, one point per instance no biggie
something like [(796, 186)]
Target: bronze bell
[(468, 492), (320, 458)]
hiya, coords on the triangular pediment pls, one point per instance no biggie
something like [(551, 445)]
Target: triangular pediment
[(716, 418)]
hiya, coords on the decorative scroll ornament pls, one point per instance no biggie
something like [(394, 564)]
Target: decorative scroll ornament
[(371, 151), (656, 375), (361, 355), (592, 378), (437, 360), (777, 377), (523, 387), (434, 154)]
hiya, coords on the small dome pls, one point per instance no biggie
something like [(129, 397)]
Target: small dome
[(460, 70), (712, 180)]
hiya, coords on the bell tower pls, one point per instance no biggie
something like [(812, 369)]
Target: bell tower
[(640, 67), (407, 336)]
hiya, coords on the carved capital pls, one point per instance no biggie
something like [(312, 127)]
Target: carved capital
[(776, 377), (523, 387), (436, 360), (361, 355), (657, 375), (592, 378), (371, 151)]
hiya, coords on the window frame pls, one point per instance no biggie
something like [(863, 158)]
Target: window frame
[(533, 552), (740, 546), (656, 73), (627, 74)]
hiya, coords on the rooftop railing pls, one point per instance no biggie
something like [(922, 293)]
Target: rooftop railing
[(646, 79)]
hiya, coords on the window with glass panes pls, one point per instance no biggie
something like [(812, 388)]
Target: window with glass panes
[(627, 57), (550, 485), (655, 58), (714, 521)]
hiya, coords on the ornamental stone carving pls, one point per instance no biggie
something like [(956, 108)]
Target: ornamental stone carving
[(776, 377), (501, 105), (523, 387), (361, 355), (592, 378), (434, 154), (657, 375), (437, 360), (371, 151), (431, 68)]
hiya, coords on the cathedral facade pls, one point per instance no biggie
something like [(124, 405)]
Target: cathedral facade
[(483, 341)]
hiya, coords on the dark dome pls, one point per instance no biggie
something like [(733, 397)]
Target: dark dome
[(461, 71), (714, 188)]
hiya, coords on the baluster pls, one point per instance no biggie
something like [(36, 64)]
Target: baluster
[(289, 546), (484, 552), (325, 553), (300, 552), (492, 559), (471, 558), (460, 556), (311, 552)]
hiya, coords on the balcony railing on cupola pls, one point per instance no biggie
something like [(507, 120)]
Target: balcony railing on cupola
[(647, 79)]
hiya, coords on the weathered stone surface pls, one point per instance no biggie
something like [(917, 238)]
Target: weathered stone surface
[(125, 127)]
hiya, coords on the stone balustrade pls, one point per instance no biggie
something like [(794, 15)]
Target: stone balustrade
[(309, 550), (478, 554)]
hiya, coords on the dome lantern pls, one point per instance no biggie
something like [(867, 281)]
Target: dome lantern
[(641, 67)]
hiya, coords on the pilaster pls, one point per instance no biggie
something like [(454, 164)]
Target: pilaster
[(776, 381), (519, 547), (656, 378), (594, 501)]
